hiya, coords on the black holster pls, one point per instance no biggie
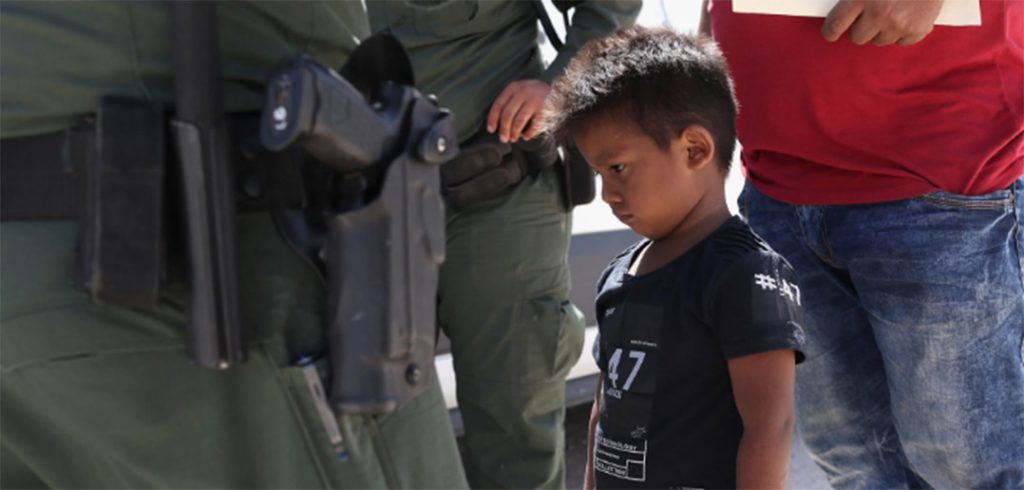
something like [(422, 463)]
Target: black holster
[(378, 234)]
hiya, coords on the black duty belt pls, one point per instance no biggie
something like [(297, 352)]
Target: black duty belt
[(42, 177)]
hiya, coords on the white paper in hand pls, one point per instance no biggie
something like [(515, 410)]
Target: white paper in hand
[(953, 13)]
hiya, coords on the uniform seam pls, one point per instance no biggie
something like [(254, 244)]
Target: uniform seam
[(17, 312), (90, 354), (312, 26), (387, 466), (133, 50)]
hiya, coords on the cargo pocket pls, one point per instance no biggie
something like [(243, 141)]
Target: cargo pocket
[(554, 338)]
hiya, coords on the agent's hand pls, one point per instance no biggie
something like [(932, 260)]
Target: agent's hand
[(882, 22), (514, 109)]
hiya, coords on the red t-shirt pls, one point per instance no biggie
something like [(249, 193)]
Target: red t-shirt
[(837, 123)]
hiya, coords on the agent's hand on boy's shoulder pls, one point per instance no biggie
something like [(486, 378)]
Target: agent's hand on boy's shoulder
[(515, 107), (882, 22)]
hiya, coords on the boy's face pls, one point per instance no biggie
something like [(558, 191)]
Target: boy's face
[(653, 191)]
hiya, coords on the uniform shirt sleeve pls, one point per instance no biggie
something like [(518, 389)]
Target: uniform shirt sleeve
[(592, 20), (756, 307)]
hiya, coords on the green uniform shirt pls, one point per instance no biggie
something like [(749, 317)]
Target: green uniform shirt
[(60, 57), (466, 51)]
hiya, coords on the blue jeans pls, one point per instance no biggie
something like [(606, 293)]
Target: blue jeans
[(915, 330)]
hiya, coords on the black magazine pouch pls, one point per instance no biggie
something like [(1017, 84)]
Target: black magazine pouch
[(120, 239)]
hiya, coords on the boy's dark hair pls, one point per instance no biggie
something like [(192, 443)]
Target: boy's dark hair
[(662, 80)]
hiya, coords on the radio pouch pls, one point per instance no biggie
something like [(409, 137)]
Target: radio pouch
[(578, 178), (121, 227)]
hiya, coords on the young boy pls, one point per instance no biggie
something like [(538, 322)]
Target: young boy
[(700, 321)]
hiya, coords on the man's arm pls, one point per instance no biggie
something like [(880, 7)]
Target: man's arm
[(595, 415), (882, 22), (515, 107), (762, 385)]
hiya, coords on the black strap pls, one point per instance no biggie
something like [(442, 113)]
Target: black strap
[(44, 175), (545, 22)]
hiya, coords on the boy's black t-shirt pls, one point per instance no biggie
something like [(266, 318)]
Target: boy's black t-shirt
[(668, 417)]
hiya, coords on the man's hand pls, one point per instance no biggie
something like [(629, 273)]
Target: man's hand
[(514, 109), (882, 22)]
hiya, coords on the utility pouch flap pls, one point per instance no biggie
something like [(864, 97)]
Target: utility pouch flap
[(489, 184), (120, 239), (476, 157), (485, 168)]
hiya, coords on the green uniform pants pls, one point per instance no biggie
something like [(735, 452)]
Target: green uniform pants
[(504, 304), (105, 397)]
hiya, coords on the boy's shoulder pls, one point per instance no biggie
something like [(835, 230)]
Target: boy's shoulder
[(734, 249), (620, 262), (734, 240)]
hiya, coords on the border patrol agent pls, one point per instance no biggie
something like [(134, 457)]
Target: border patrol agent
[(505, 283), (96, 395)]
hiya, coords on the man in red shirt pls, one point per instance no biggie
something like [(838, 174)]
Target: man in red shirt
[(884, 156)]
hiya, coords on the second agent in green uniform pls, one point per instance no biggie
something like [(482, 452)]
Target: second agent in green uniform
[(505, 283)]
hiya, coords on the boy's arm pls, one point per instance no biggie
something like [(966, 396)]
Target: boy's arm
[(595, 414), (762, 385)]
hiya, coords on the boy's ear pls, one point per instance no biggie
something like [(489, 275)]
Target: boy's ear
[(698, 147)]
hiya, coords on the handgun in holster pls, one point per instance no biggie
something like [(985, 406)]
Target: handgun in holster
[(378, 240)]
